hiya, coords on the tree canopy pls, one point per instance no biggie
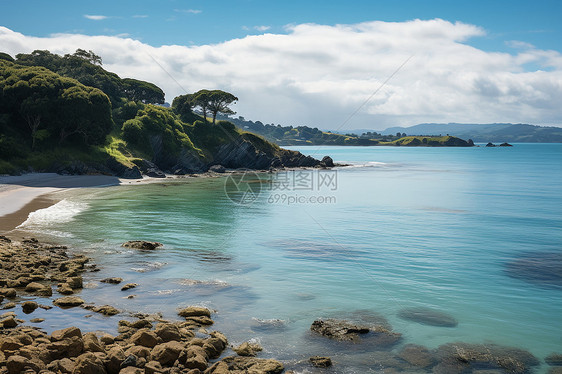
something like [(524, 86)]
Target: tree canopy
[(42, 105), (144, 92), (215, 101)]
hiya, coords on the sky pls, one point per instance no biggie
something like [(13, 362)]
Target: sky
[(335, 65)]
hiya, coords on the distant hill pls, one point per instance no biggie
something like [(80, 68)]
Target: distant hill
[(480, 133)]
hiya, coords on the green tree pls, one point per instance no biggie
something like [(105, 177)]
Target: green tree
[(142, 91), (219, 102), (88, 56), (182, 106), (201, 99), (7, 57)]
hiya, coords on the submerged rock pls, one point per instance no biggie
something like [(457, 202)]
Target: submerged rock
[(68, 301), (141, 244), (540, 268), (457, 357), (338, 330), (320, 362), (113, 280), (417, 355), (428, 316), (247, 349), (554, 359)]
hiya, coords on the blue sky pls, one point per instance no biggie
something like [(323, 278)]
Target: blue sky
[(203, 22), (317, 62)]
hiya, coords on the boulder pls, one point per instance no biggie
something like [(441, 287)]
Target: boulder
[(128, 286), (166, 353), (114, 359), (65, 289), (113, 280), (490, 144), (247, 365), (16, 364), (9, 322), (320, 362), (554, 359), (168, 332), (131, 370), (506, 145), (106, 310), (196, 362), (38, 289), (10, 293), (89, 363), (154, 173), (144, 338), (91, 343), (327, 162), (247, 349), (417, 355), (141, 244), (75, 282), (62, 334), (29, 306), (68, 301), (338, 329), (195, 311)]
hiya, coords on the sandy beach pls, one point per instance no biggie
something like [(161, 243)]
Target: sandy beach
[(21, 195)]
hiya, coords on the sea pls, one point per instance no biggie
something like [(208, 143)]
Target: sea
[(441, 245)]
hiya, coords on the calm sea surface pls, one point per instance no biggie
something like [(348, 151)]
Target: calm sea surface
[(475, 233)]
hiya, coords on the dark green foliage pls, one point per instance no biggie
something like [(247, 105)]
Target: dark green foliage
[(218, 102), (43, 106), (182, 106), (144, 92), (7, 57)]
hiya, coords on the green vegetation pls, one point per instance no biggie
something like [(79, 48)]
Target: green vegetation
[(304, 135), (68, 114)]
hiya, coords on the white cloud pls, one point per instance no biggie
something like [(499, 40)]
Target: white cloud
[(140, 16), (318, 75), (95, 17), (262, 28)]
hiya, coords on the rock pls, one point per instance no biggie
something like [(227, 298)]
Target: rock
[(327, 162), (113, 280), (417, 355), (555, 370), (144, 338), (68, 301), (427, 316), (153, 367), (166, 353), (200, 321), (89, 363), (62, 334), (247, 365), (470, 143), (155, 173), (10, 293), (338, 329), (74, 282), (16, 364), (490, 144), (107, 339), (114, 359), (9, 305), (39, 289), (37, 320), (131, 370), (69, 347), (195, 311), (128, 286), (463, 356), (506, 145), (29, 306), (554, 359), (106, 310), (141, 244), (138, 351), (65, 289), (9, 322), (247, 349), (196, 362), (217, 169), (91, 343), (320, 362), (168, 332)]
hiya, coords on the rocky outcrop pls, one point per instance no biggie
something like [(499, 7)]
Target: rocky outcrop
[(338, 329), (320, 362), (490, 144), (141, 244), (506, 145)]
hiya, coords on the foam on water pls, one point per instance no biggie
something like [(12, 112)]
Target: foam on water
[(62, 212)]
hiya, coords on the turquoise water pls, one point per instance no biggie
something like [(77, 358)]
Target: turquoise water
[(401, 228)]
